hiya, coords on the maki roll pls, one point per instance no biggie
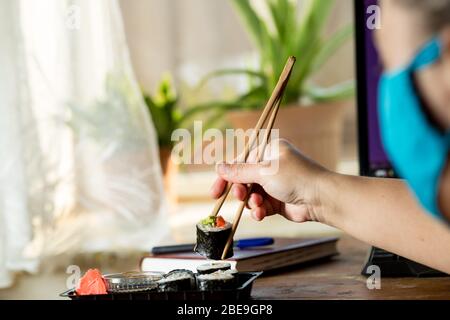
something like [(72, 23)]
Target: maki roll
[(177, 280), (212, 236), (182, 272), (219, 280), (213, 267), (233, 272)]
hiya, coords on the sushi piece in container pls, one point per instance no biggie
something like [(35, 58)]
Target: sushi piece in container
[(180, 271), (177, 280), (219, 280), (212, 236), (233, 272), (175, 285), (213, 267)]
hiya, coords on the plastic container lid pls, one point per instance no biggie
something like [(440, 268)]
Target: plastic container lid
[(132, 281)]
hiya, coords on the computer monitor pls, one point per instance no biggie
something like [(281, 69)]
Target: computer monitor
[(373, 160)]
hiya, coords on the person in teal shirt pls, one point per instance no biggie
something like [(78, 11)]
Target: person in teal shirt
[(410, 217)]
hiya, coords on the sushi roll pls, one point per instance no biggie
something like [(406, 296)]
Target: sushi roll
[(177, 280), (212, 236), (213, 267), (219, 280), (234, 272), (181, 272)]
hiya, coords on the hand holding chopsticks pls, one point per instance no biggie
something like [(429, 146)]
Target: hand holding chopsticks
[(268, 116)]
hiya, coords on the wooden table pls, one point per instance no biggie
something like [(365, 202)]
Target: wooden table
[(340, 279)]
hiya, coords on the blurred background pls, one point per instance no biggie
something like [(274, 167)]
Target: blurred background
[(91, 92)]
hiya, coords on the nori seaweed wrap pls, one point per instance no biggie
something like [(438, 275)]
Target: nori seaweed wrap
[(177, 280), (180, 271), (218, 280), (212, 236)]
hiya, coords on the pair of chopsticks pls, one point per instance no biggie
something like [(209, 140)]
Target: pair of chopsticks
[(269, 115)]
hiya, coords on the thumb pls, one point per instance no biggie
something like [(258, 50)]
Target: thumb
[(240, 172)]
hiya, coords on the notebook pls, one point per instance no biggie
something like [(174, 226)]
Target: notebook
[(283, 253)]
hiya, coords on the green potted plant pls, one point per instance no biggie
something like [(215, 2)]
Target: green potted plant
[(167, 117), (311, 117)]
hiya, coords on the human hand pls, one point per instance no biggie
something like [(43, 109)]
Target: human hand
[(293, 190)]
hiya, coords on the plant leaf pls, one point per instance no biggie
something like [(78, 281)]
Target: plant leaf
[(251, 20), (308, 38), (302, 71), (283, 16), (342, 91), (214, 106), (254, 99), (331, 45), (215, 120), (272, 61), (227, 72), (313, 21)]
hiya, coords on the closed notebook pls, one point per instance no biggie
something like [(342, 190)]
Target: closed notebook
[(283, 253)]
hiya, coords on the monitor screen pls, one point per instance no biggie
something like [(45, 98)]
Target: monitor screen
[(375, 161)]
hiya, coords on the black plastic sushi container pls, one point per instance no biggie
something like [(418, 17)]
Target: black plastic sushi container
[(240, 291)]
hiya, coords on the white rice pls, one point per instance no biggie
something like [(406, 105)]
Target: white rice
[(218, 275), (208, 228)]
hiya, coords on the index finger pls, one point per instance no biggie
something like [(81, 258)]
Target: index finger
[(218, 188)]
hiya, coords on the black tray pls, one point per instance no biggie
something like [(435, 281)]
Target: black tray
[(242, 292)]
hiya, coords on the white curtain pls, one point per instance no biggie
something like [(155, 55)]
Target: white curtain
[(79, 168)]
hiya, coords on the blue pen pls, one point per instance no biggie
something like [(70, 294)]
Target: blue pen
[(253, 242), (241, 244)]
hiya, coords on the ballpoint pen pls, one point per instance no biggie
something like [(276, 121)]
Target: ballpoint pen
[(241, 244)]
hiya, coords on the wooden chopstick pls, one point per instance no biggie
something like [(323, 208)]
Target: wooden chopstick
[(243, 204), (271, 108), (276, 94)]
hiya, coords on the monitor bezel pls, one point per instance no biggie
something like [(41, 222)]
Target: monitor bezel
[(361, 87)]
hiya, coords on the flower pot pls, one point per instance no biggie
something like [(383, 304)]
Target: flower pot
[(169, 170), (316, 130)]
